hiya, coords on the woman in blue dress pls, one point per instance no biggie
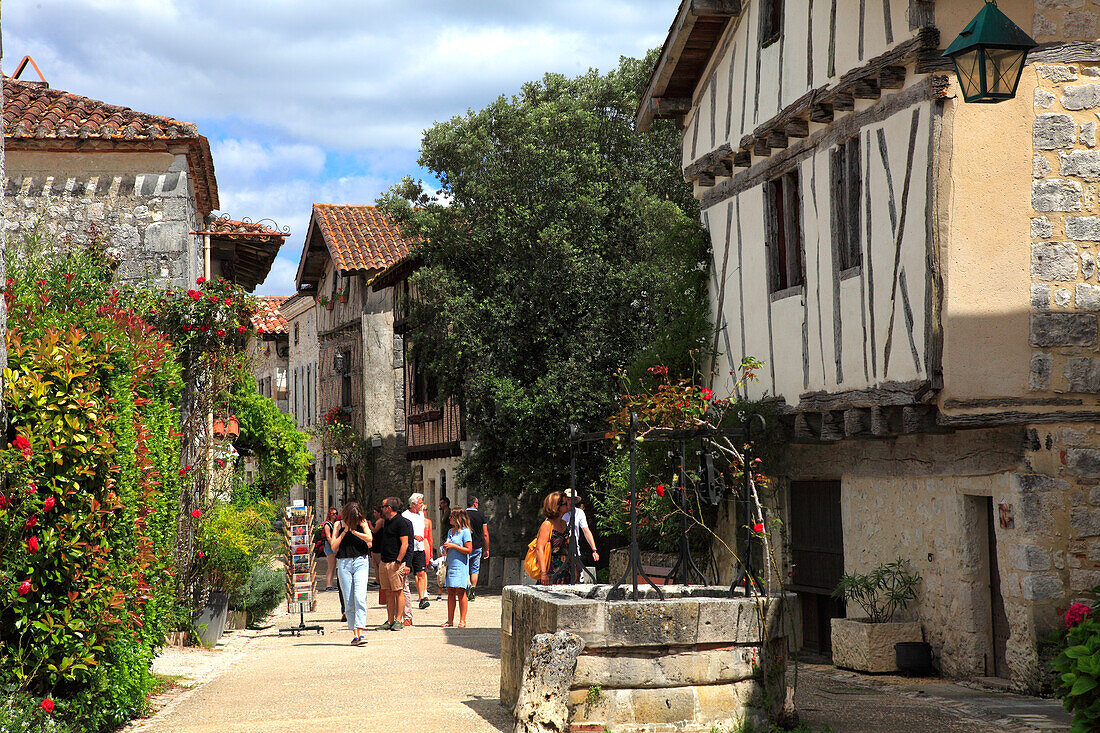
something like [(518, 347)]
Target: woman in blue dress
[(458, 545)]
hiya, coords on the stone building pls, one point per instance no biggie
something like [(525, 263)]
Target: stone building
[(145, 182), (359, 369), (919, 276), (300, 312)]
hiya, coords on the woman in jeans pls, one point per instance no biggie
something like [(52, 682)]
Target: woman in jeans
[(352, 539)]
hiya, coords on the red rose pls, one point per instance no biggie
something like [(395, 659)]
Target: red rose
[(24, 587), (204, 328), (31, 523), (200, 280), (241, 329), (32, 488), (705, 393), (228, 301), (49, 503), (47, 705), (758, 527), (32, 545), (4, 502), (196, 513), (200, 555), (221, 332), (21, 443), (183, 471), (660, 490), (194, 294)]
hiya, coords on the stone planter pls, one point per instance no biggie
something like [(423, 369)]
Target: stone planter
[(692, 662), (210, 622), (866, 647)]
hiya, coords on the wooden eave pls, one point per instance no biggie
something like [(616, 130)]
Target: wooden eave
[(692, 39), (249, 257), (395, 273)]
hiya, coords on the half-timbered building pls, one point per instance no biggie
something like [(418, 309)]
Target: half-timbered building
[(919, 276)]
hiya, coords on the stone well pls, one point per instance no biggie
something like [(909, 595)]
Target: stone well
[(691, 662)]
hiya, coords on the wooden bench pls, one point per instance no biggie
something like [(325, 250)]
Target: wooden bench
[(658, 575)]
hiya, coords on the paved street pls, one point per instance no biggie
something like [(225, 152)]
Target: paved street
[(448, 679)]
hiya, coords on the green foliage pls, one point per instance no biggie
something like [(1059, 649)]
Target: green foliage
[(882, 592), (234, 539), (262, 594), (87, 520), (24, 714), (565, 250), (1078, 670), (273, 437)]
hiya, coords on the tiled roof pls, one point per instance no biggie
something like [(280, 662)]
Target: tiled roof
[(224, 227), (268, 316), (360, 237), (34, 113)]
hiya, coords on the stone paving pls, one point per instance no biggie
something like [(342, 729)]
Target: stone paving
[(429, 678)]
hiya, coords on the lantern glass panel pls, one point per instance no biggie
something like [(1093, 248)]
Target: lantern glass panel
[(1002, 70), (969, 67)]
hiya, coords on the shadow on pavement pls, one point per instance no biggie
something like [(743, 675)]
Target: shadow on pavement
[(491, 711)]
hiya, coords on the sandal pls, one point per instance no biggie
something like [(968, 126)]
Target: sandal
[(446, 625), (357, 641), (461, 624)]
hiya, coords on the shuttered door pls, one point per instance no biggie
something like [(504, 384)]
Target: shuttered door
[(817, 552)]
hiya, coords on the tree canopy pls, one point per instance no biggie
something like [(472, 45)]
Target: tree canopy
[(562, 252)]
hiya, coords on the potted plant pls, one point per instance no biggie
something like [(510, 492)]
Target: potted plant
[(344, 293), (327, 302), (867, 644)]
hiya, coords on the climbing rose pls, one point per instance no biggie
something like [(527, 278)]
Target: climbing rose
[(32, 545), (196, 513), (1077, 613), (21, 443), (194, 294), (200, 555), (705, 393), (204, 328), (221, 332), (261, 330), (31, 523), (758, 527), (4, 502), (183, 471), (660, 490), (200, 280), (24, 587), (241, 329), (49, 503), (47, 705)]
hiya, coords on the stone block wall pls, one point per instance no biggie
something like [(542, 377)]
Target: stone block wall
[(142, 202), (1062, 20)]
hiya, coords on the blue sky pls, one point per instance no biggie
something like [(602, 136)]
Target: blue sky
[(321, 101)]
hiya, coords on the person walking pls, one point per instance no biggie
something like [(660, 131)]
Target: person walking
[(574, 505), (444, 525), (417, 562), (479, 529), (553, 533), (330, 554), (376, 526), (352, 540), (459, 547), (396, 541)]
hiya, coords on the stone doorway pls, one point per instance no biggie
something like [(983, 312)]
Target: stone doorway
[(999, 627), (817, 556)]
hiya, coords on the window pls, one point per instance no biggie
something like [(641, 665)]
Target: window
[(280, 383), (845, 185), (297, 399), (771, 21), (783, 224), (295, 333), (345, 378), (309, 394)]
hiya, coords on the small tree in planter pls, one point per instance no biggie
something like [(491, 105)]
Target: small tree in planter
[(867, 644)]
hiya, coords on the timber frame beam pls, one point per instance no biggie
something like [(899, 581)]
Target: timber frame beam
[(886, 71)]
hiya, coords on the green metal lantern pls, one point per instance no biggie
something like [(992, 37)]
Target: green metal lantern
[(989, 56)]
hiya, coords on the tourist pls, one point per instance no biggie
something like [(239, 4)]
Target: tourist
[(479, 529), (330, 554), (417, 562), (574, 504), (376, 526), (459, 547), (444, 524), (352, 540), (553, 534), (397, 539)]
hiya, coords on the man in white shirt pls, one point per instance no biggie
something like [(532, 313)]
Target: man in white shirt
[(581, 525), (416, 561)]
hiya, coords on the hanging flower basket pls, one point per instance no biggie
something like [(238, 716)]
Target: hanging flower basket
[(232, 427), (219, 428)]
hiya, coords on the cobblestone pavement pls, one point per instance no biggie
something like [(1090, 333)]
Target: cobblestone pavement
[(428, 678)]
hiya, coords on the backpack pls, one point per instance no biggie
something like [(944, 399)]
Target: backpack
[(531, 563)]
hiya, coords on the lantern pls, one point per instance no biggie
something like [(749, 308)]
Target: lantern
[(989, 56)]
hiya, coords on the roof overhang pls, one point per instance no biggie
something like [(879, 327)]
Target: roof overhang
[(395, 273), (691, 41), (247, 249)]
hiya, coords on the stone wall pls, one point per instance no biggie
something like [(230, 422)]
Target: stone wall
[(142, 202)]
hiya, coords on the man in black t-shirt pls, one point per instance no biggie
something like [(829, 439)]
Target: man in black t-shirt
[(480, 530), (395, 544)]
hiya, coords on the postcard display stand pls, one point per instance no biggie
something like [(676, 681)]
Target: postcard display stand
[(301, 570)]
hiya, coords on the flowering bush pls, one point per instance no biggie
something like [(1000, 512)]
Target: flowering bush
[(1078, 669), (233, 540), (87, 522)]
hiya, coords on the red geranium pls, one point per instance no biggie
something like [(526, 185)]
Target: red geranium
[(200, 280), (1077, 613), (24, 587), (47, 705), (32, 545), (49, 503), (21, 442)]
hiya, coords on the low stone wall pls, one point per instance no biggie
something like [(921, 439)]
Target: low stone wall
[(691, 662)]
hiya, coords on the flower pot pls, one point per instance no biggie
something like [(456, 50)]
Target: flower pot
[(330, 305), (219, 428), (209, 624), (867, 647), (343, 297), (232, 427)]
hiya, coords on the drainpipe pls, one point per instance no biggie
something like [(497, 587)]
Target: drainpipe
[(210, 411)]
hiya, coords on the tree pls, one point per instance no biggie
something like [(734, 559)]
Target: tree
[(562, 250)]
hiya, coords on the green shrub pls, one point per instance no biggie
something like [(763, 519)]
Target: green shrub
[(262, 594), (888, 588), (233, 540), (1078, 668), (24, 714)]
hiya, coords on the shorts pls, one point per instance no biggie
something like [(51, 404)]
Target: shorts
[(417, 563), (475, 560), (328, 549), (389, 576)]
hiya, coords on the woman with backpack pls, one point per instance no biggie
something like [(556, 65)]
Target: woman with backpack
[(552, 543)]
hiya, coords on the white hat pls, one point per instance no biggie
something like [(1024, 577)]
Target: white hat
[(568, 493)]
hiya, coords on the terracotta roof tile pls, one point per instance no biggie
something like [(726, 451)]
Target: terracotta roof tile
[(360, 237), (269, 317)]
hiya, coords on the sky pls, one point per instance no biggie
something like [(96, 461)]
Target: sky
[(322, 101)]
